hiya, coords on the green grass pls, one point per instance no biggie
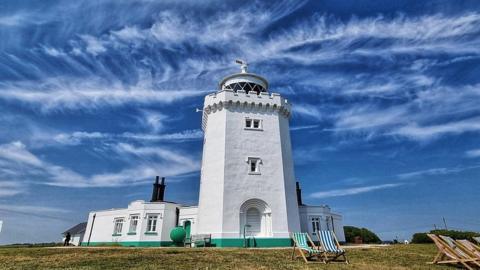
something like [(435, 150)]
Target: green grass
[(393, 257)]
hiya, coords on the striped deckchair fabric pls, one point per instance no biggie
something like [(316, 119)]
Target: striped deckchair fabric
[(470, 247), (300, 242), (477, 239), (330, 246), (328, 242)]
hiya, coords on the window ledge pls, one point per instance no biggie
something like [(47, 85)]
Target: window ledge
[(256, 129), (151, 233), (131, 233), (254, 173), (117, 234)]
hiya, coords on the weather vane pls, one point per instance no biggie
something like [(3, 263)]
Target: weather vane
[(243, 65)]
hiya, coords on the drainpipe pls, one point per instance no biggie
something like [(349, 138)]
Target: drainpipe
[(91, 229)]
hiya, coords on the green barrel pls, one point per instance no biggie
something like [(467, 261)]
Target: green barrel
[(178, 234)]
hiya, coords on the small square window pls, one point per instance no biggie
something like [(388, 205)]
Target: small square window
[(253, 124), (248, 123), (253, 166)]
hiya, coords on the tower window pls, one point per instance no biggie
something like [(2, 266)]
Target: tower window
[(248, 123), (253, 124), (253, 165)]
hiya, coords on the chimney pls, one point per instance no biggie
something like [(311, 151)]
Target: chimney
[(299, 194), (161, 190), (158, 190)]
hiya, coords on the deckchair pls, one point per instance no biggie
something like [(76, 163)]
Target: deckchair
[(300, 242), (447, 255), (470, 247), (330, 246), (477, 239), (461, 250)]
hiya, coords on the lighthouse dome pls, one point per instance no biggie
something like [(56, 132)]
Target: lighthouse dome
[(245, 81)]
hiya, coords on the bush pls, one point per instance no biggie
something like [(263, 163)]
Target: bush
[(366, 235), (423, 238), (419, 238)]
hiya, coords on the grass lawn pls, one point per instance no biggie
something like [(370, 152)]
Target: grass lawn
[(393, 257)]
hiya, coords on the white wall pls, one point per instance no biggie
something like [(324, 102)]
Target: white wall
[(225, 182), (104, 222), (189, 213), (325, 215)]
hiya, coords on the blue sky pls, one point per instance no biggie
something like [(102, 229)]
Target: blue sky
[(98, 97)]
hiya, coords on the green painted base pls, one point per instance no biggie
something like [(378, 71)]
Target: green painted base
[(217, 242), (131, 244), (252, 242)]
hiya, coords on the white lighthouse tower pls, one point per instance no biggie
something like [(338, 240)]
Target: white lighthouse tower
[(247, 186)]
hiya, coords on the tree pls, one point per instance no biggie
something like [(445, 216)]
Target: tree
[(367, 236)]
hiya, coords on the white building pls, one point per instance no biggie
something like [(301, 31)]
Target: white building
[(247, 185)]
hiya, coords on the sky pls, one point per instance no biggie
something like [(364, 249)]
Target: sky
[(99, 97)]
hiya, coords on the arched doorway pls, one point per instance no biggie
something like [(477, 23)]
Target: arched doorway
[(255, 219)]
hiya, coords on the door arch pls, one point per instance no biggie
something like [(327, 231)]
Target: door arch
[(255, 219)]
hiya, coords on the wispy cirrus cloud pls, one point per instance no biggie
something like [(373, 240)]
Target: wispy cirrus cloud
[(352, 191), (60, 94), (148, 163), (10, 188), (436, 171), (76, 138), (473, 153)]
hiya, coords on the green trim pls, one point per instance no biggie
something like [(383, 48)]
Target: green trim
[(151, 233), (252, 242), (131, 233), (132, 244), (117, 234), (217, 242)]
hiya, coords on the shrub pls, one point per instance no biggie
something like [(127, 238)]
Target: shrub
[(366, 235)]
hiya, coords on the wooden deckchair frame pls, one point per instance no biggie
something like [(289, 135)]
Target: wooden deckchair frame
[(333, 256), (469, 247), (302, 251), (445, 251)]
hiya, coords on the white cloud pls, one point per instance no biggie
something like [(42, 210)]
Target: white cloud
[(307, 111), (9, 188), (78, 137), (33, 208), (436, 171), (70, 93), (473, 153), (351, 191), (426, 132), (94, 45), (148, 162)]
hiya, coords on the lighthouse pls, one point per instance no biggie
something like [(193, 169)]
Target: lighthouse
[(248, 193), (247, 185)]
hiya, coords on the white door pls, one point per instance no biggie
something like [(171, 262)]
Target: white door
[(254, 220)]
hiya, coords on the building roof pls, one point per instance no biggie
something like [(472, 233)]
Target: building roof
[(79, 228)]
